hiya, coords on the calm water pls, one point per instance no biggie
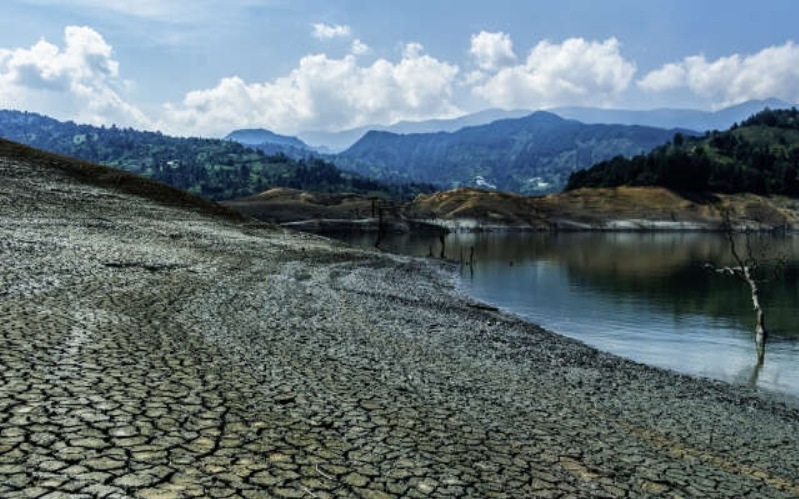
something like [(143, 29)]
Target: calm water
[(643, 296)]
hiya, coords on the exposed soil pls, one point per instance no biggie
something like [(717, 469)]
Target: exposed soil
[(154, 346)]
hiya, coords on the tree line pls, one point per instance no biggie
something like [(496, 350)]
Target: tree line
[(761, 155), (213, 168)]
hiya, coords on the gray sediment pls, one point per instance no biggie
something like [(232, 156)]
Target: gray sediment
[(158, 352)]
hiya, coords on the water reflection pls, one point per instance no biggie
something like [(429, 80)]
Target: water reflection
[(644, 296)]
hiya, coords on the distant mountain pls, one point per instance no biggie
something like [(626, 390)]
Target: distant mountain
[(272, 143), (258, 136), (534, 154), (212, 168), (334, 142), (760, 156), (691, 119)]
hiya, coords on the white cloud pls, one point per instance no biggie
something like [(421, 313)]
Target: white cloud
[(669, 77), (324, 31), (473, 78), (175, 11), (79, 82), (138, 8), (492, 51), (412, 50), (573, 72), (772, 72), (359, 48), (322, 93)]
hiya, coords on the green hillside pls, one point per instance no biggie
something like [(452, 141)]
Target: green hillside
[(211, 168), (761, 155)]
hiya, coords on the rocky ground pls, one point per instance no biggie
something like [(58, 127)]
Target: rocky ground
[(160, 352)]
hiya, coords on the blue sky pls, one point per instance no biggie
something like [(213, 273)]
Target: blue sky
[(207, 66)]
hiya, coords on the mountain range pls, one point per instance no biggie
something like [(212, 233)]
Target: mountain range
[(211, 168), (692, 119), (520, 152), (272, 143), (529, 155), (335, 142)]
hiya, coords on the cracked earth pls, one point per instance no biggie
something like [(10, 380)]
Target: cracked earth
[(157, 351)]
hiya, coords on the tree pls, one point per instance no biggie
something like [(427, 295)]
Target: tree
[(749, 267)]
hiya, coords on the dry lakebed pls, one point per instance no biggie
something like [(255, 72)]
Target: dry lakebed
[(155, 346)]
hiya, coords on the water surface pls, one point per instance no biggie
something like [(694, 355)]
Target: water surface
[(647, 297)]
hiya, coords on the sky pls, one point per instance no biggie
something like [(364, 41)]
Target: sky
[(207, 67)]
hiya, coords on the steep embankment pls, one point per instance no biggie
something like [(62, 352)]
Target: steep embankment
[(475, 209), (153, 346), (468, 209), (72, 172), (320, 212), (621, 208), (290, 205)]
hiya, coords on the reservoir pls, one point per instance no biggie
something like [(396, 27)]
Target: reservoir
[(649, 297)]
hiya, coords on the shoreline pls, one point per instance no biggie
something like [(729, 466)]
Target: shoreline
[(152, 351), (334, 226), (790, 399)]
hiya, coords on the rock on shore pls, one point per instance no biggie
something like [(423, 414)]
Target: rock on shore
[(157, 348)]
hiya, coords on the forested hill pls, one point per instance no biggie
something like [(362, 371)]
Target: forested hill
[(761, 155), (271, 143), (527, 155), (212, 168)]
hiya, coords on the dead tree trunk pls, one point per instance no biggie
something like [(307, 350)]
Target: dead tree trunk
[(380, 227), (744, 272), (760, 325), (471, 260), (745, 269)]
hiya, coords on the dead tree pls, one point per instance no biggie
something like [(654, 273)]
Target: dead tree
[(471, 260), (747, 268), (381, 230)]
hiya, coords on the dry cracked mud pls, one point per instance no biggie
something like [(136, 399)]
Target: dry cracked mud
[(159, 352)]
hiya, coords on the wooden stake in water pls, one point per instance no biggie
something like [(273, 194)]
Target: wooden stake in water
[(471, 260)]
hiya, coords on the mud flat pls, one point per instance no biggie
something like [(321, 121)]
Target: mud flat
[(151, 349)]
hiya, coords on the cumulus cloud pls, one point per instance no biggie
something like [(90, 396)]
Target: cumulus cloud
[(323, 93), (80, 81), (772, 72), (492, 51), (359, 48), (573, 72), (668, 77), (473, 78), (324, 31)]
